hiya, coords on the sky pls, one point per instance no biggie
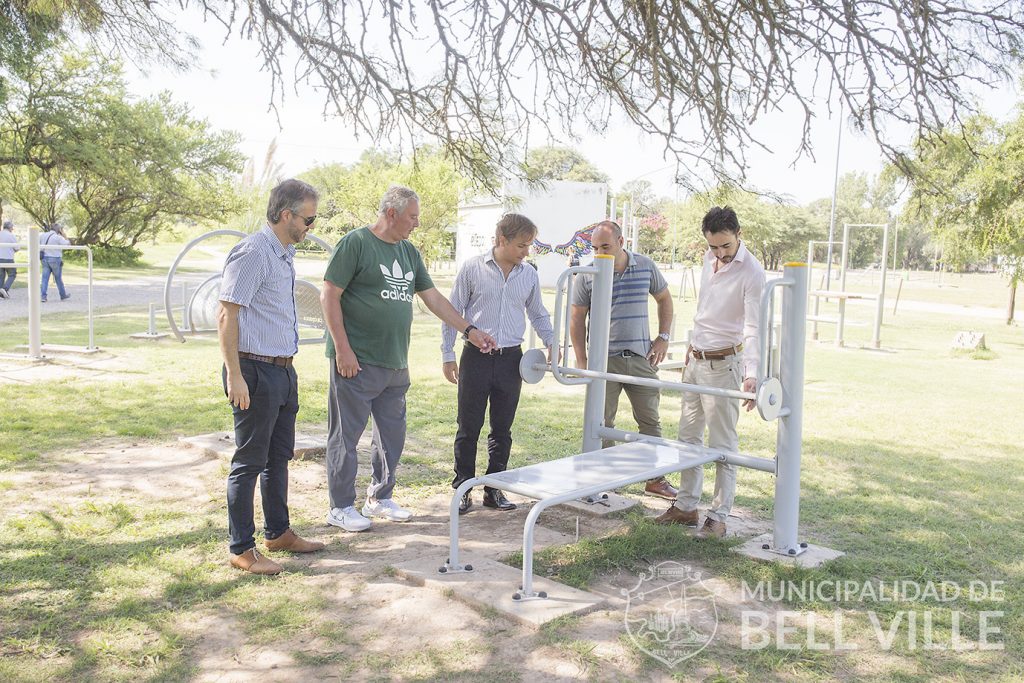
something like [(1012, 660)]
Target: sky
[(227, 88)]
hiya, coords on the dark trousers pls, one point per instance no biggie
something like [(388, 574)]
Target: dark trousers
[(486, 378), (264, 443)]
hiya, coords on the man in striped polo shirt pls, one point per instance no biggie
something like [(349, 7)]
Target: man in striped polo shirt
[(259, 335), (495, 292), (630, 349)]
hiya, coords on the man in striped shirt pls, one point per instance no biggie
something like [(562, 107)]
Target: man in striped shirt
[(259, 335), (630, 349), (493, 291)]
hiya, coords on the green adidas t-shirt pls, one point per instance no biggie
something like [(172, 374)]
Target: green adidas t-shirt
[(379, 279)]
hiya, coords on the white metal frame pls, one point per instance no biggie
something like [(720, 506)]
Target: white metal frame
[(778, 396), (35, 334), (842, 294)]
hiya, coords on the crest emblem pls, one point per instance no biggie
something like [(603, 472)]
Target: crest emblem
[(670, 613)]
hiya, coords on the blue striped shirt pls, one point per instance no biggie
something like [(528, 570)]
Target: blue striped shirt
[(630, 324), (497, 305), (259, 276)]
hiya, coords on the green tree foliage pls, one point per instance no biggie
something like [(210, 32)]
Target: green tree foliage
[(116, 169), (350, 196), (968, 188), (560, 163)]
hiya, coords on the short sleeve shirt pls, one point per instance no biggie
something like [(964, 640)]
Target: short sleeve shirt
[(379, 279), (630, 323), (259, 276)]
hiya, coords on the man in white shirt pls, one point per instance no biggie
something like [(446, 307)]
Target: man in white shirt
[(8, 245), (52, 260), (724, 352)]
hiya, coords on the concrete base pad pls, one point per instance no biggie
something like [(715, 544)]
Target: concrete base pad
[(56, 349), (147, 335), (222, 444), (492, 584), (614, 504), (814, 556)]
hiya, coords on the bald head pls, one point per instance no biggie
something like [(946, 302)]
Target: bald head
[(607, 239)]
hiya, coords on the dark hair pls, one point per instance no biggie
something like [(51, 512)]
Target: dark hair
[(512, 225), (8, 225), (289, 195), (720, 219), (615, 227)]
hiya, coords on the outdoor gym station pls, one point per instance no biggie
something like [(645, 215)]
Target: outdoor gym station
[(639, 457)]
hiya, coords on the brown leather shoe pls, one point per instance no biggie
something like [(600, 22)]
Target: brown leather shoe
[(712, 529), (293, 543), (676, 516), (251, 561), (661, 488)]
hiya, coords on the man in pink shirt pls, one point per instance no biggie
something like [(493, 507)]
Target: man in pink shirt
[(723, 353)]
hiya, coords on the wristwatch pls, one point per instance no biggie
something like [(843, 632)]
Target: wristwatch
[(663, 336), (465, 332)]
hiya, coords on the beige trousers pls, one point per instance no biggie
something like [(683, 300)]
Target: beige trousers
[(719, 416)]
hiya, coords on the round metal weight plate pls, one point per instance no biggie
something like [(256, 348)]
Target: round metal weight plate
[(528, 366), (769, 398)]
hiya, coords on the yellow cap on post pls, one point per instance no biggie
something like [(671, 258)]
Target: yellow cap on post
[(796, 264), (603, 256)]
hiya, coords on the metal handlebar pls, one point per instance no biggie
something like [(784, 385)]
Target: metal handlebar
[(557, 323)]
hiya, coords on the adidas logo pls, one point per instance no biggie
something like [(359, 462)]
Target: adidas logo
[(398, 281)]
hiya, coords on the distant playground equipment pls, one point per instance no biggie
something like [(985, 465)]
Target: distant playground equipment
[(35, 337), (778, 396), (199, 309), (842, 294)]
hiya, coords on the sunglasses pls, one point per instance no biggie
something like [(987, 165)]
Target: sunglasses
[(307, 220)]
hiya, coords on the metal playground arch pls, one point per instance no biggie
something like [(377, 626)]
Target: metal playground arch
[(200, 309)]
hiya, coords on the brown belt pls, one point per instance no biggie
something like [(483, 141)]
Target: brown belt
[(283, 361), (717, 354)]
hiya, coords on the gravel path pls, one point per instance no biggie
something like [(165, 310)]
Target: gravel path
[(136, 292)]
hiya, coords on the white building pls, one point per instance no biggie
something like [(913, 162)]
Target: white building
[(560, 209)]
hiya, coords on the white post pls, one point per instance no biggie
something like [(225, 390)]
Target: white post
[(842, 285), (790, 429), (597, 349), (92, 336), (876, 339), (810, 285), (35, 341)]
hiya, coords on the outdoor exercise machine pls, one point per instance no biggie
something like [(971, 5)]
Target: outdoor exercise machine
[(199, 311), (778, 395), (34, 267), (842, 295)]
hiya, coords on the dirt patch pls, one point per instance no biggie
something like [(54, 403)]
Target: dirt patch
[(358, 619)]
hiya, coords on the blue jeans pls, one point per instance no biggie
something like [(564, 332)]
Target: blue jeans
[(7, 275), (55, 266), (264, 443)]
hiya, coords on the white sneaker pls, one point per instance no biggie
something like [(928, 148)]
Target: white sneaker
[(348, 519), (386, 508)]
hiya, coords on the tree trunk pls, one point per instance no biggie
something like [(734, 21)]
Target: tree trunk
[(1013, 300)]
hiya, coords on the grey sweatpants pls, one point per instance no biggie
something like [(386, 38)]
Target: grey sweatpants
[(374, 391)]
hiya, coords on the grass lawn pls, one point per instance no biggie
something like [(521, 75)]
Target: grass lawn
[(912, 465)]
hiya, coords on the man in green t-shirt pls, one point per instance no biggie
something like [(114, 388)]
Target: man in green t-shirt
[(367, 301)]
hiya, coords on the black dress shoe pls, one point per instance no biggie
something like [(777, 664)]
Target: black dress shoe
[(496, 499), (466, 502)]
